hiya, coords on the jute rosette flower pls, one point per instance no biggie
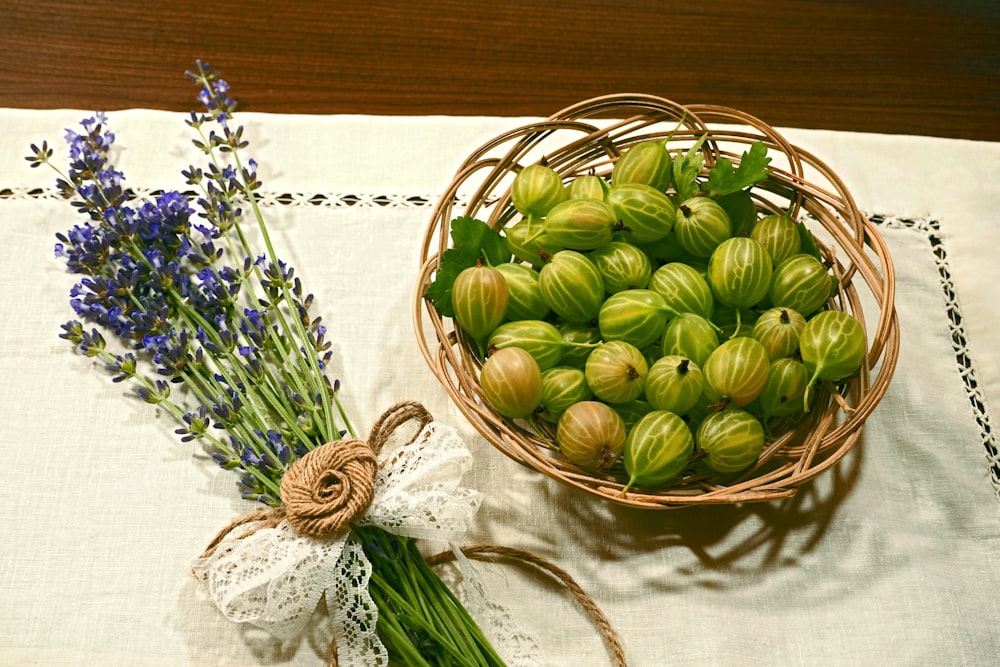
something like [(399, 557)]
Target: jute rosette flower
[(331, 486), (589, 138)]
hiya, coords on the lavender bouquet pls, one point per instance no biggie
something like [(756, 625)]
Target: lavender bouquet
[(174, 298)]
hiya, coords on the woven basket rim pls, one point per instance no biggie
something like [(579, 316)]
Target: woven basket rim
[(592, 134)]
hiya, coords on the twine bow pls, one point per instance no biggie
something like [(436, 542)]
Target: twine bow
[(328, 487), (324, 490), (273, 574)]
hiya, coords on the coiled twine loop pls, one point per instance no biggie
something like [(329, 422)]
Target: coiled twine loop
[(327, 488)]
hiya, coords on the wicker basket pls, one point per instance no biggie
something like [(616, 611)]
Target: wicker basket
[(588, 138)]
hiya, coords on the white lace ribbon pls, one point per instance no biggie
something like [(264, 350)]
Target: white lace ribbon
[(275, 577)]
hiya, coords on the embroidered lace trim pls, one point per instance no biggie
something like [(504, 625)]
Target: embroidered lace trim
[(931, 229), (266, 198)]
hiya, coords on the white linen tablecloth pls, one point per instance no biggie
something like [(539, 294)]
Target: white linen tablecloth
[(890, 559)]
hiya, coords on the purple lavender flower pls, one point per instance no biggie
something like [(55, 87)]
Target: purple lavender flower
[(123, 367), (172, 282)]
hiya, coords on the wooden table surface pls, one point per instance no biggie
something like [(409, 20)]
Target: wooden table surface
[(897, 66)]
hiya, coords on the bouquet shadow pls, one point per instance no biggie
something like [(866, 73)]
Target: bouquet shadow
[(230, 643)]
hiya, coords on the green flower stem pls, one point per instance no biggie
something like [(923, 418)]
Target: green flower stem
[(393, 631), (343, 415), (235, 374), (273, 395), (294, 379), (455, 615), (399, 605), (313, 371), (390, 587), (408, 590), (429, 603), (316, 371)]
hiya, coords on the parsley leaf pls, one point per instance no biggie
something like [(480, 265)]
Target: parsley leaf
[(685, 169), (473, 235), (723, 179), (473, 242), (808, 241)]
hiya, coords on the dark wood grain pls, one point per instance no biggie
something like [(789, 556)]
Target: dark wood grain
[(895, 66)]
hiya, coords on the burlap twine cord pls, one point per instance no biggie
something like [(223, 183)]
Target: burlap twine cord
[(327, 488), (324, 490), (493, 552)]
